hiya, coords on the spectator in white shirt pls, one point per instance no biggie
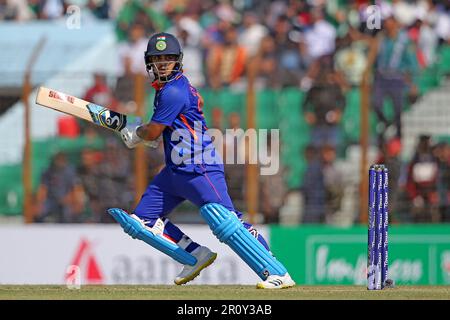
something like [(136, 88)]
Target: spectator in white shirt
[(252, 34), (53, 9), (131, 53), (131, 63), (189, 32), (320, 38)]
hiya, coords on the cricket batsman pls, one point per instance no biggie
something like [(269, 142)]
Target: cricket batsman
[(178, 108)]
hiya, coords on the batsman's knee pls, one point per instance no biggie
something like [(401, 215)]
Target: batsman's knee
[(229, 229)]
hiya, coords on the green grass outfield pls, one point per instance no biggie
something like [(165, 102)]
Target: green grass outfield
[(220, 292)]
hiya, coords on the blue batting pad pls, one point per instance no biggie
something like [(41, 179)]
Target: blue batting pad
[(137, 230), (228, 229)]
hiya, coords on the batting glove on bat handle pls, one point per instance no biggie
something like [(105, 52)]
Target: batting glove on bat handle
[(129, 135)]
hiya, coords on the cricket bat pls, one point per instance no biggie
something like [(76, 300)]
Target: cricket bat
[(77, 107)]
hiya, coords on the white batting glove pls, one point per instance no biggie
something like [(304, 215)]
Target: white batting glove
[(129, 135)]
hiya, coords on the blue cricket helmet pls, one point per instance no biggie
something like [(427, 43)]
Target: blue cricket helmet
[(162, 44)]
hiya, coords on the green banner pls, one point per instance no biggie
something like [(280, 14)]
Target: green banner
[(315, 255)]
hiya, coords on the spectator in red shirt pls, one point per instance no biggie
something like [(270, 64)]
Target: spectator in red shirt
[(101, 94)]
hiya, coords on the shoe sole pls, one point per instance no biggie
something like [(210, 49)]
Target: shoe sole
[(286, 286), (197, 272)]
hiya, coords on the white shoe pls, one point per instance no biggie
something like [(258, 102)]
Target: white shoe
[(276, 282), (204, 258)]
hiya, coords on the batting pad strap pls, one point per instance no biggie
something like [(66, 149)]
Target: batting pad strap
[(228, 229), (133, 226)]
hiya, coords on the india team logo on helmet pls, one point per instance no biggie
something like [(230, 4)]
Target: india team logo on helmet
[(161, 43)]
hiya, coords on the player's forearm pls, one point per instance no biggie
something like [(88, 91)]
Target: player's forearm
[(144, 132), (150, 131)]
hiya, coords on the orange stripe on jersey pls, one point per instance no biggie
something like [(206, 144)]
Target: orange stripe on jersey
[(192, 131), (200, 102)]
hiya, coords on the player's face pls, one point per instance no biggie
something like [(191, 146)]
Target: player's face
[(164, 64)]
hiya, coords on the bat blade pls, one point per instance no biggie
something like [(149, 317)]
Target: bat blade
[(80, 108)]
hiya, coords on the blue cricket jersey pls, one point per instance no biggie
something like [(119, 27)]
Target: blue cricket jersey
[(187, 145)]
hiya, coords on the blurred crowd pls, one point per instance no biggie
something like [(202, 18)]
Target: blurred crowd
[(79, 186), (25, 10), (420, 188), (323, 48)]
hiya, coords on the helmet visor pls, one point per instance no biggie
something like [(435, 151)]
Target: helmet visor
[(163, 66)]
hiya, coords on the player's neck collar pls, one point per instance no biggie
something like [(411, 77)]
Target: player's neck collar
[(157, 85)]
